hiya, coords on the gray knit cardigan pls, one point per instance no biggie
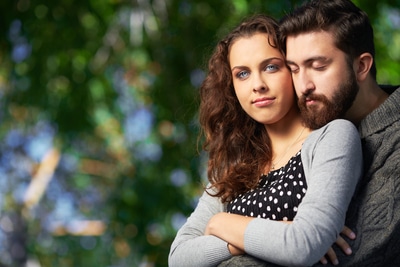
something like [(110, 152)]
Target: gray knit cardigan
[(332, 161)]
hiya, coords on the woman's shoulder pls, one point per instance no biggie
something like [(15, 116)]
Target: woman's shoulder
[(335, 131), (338, 137), (340, 124), (337, 127)]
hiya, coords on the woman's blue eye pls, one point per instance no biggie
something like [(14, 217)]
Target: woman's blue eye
[(242, 74), (271, 67)]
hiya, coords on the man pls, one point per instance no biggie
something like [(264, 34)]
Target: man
[(330, 51)]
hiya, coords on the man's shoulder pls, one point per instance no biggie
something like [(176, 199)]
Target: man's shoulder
[(389, 88), (386, 117)]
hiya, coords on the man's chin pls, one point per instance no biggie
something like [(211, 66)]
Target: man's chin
[(314, 118)]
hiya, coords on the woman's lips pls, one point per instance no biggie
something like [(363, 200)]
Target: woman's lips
[(263, 101)]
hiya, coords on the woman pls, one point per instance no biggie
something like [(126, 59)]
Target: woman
[(278, 191)]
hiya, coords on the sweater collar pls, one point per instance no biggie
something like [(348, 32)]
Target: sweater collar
[(383, 116)]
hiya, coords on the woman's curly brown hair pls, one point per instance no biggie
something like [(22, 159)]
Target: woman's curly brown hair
[(239, 147)]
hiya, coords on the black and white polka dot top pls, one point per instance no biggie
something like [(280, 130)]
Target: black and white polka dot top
[(277, 196)]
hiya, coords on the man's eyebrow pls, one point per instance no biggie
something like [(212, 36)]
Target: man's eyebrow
[(289, 62), (308, 60), (316, 58)]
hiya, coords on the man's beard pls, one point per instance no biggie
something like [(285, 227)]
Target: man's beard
[(317, 116)]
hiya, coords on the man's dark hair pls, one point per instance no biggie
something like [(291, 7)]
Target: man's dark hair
[(349, 25)]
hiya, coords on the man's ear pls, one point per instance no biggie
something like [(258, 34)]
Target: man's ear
[(363, 65)]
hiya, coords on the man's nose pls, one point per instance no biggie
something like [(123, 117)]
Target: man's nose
[(303, 83)]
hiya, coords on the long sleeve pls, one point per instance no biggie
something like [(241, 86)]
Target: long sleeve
[(332, 161), (191, 247)]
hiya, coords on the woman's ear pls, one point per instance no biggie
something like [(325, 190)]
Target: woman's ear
[(363, 65)]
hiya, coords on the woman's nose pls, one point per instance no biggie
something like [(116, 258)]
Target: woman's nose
[(259, 84)]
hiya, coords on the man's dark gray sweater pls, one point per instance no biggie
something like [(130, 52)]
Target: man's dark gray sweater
[(374, 213)]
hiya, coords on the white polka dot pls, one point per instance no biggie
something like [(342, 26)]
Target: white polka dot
[(255, 202)]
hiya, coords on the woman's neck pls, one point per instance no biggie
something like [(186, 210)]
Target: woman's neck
[(286, 138)]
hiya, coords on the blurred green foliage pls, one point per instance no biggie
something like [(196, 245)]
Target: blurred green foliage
[(112, 86)]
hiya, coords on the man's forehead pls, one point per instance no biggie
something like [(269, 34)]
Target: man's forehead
[(309, 45), (317, 34)]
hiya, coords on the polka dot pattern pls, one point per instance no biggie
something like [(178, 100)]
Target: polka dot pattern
[(277, 196)]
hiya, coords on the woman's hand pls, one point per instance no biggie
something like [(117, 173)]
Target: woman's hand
[(211, 229), (230, 228), (342, 244), (234, 250)]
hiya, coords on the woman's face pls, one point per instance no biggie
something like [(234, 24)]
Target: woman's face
[(262, 82)]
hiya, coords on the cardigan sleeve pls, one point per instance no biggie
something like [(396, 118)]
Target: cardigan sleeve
[(332, 161), (191, 247)]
